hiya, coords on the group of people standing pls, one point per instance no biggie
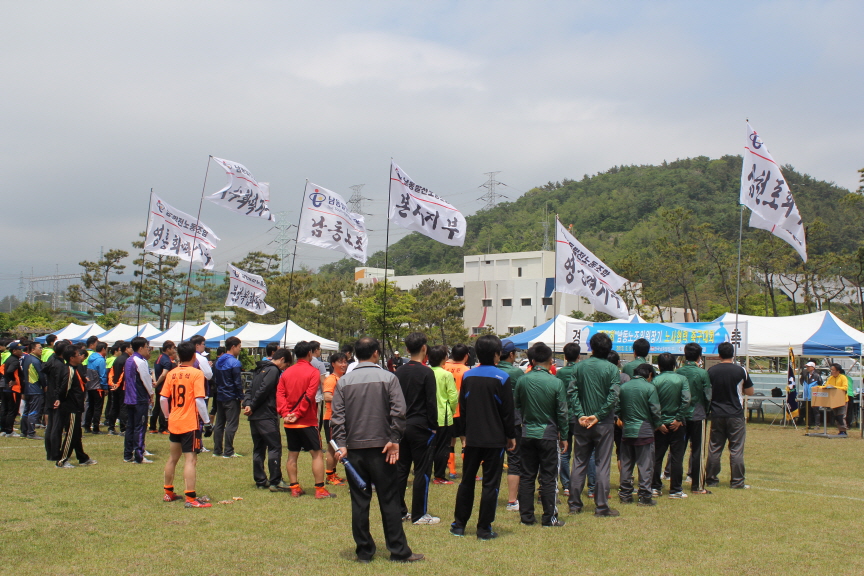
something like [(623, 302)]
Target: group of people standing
[(548, 423)]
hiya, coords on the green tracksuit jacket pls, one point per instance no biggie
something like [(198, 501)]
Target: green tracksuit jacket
[(541, 399), (673, 391), (594, 389), (639, 408)]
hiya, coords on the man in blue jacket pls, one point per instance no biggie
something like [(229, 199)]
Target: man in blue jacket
[(34, 381), (97, 389), (229, 393)]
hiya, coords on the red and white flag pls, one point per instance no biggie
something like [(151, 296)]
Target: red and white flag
[(764, 190), (419, 209), (243, 194)]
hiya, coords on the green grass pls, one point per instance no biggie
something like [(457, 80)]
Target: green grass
[(803, 516)]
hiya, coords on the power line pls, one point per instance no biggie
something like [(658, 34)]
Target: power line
[(491, 197)]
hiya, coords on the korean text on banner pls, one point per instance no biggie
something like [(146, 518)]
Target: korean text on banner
[(175, 233), (247, 291), (243, 194), (579, 272), (765, 192), (419, 209), (669, 337), (327, 223)]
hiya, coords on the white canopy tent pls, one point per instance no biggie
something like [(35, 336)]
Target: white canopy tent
[(255, 335), (817, 334), (125, 332), (177, 333), (92, 330), (67, 332)]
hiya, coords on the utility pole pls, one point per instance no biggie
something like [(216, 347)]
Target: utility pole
[(491, 197)]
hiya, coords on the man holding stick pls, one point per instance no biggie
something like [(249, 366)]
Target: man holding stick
[(369, 420)]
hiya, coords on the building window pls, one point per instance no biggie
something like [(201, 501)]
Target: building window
[(547, 301), (477, 330), (516, 329), (526, 301), (460, 292), (488, 262), (507, 302), (487, 303), (519, 272)]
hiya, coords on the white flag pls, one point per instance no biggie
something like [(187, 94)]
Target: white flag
[(327, 223), (243, 194), (578, 271), (419, 209), (765, 192), (247, 291), (175, 233)]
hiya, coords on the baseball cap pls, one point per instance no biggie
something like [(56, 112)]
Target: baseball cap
[(14, 346), (507, 347), (813, 364)]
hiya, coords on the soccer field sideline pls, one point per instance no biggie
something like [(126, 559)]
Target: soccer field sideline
[(111, 515)]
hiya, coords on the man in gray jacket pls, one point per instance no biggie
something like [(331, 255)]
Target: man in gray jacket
[(369, 420)]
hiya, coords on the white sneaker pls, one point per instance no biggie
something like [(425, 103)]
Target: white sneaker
[(148, 453), (146, 461), (689, 480), (664, 477), (428, 519), (203, 449), (513, 507)]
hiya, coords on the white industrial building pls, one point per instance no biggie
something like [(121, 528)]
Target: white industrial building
[(509, 292)]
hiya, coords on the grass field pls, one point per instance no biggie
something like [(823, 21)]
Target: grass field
[(803, 516)]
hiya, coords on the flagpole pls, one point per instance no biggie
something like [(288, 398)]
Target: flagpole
[(386, 251), (293, 260), (555, 296), (192, 255), (738, 278), (143, 257)]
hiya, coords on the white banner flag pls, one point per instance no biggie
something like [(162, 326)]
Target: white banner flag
[(247, 291), (175, 233), (243, 194), (327, 223), (578, 271), (765, 192), (417, 208)]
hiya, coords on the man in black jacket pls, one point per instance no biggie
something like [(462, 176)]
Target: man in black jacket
[(488, 413), (259, 405), (70, 401), (54, 371), (419, 389)]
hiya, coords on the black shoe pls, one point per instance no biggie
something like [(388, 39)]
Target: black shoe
[(488, 536), (363, 560), (742, 487), (88, 430), (608, 513), (96, 431), (625, 499), (575, 509), (555, 524), (712, 484), (534, 523), (262, 487), (457, 531), (412, 558), (643, 501)]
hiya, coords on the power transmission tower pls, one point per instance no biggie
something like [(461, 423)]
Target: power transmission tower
[(491, 197), (355, 203), (545, 223), (283, 238)]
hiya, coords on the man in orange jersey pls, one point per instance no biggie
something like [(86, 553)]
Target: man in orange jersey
[(457, 365), (183, 400)]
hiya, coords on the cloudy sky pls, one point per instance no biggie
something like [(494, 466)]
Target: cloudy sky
[(103, 101)]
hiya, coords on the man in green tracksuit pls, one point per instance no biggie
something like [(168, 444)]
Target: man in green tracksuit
[(572, 350), (673, 391), (541, 399), (697, 413), (508, 356), (639, 409), (593, 395), (641, 347)]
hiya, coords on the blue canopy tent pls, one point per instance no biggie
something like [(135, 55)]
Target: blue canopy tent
[(831, 340)]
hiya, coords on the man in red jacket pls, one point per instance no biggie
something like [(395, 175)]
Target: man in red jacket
[(295, 402)]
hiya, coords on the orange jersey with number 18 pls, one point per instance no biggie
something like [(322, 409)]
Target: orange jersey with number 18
[(182, 386)]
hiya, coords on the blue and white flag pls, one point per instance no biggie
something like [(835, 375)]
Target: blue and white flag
[(327, 223)]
